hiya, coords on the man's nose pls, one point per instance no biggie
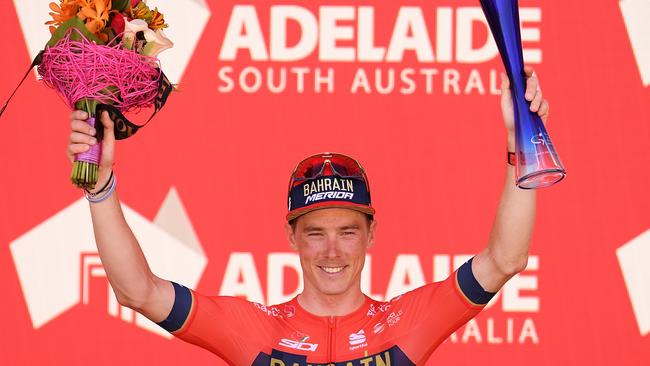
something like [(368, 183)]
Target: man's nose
[(332, 246)]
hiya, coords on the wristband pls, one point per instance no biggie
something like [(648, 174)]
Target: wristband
[(91, 194), (105, 196)]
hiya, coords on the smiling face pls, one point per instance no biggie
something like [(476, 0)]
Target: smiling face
[(332, 245)]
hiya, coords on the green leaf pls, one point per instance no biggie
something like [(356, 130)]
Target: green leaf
[(77, 24), (87, 105), (120, 5)]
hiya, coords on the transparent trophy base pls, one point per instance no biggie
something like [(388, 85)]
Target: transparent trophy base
[(541, 178)]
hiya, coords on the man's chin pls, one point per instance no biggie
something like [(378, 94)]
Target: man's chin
[(332, 289)]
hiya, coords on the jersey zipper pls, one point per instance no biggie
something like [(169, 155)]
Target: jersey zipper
[(331, 339)]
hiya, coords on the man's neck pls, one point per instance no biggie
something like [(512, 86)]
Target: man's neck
[(321, 304)]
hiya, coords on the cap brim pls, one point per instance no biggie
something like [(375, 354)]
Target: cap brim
[(331, 204)]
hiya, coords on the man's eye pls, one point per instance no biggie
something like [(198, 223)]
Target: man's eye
[(348, 233), (314, 234)]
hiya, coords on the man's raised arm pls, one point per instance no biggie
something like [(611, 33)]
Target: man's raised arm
[(507, 251), (134, 284)]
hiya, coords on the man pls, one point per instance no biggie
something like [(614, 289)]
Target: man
[(331, 225)]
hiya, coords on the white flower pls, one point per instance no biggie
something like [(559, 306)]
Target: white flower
[(156, 42), (130, 29)]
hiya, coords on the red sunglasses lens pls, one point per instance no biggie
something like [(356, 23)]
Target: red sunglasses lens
[(317, 165)]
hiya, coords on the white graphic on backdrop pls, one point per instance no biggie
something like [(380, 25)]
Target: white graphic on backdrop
[(439, 38), (633, 259), (186, 18), (56, 259), (636, 14)]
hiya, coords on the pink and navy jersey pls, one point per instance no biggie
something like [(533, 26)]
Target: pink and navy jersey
[(402, 331)]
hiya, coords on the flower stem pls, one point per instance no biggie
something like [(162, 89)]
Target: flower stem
[(86, 166)]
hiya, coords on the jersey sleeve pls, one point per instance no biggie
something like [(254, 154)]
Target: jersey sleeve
[(429, 314), (218, 324)]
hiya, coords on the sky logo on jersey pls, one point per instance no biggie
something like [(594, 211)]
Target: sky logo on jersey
[(185, 30), (636, 14), (632, 257), (55, 265)]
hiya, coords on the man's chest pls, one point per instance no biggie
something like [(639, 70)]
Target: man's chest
[(368, 341)]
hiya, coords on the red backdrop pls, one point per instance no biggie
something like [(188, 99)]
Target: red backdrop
[(435, 158)]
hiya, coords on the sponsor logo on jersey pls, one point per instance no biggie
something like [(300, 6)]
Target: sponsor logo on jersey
[(289, 311), (381, 308), (268, 310), (394, 318), (299, 345), (357, 340), (378, 328), (391, 356)]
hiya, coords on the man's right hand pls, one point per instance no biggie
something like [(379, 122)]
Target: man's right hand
[(83, 137)]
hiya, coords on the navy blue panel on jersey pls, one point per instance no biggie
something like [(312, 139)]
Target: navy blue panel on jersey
[(470, 286), (180, 310)]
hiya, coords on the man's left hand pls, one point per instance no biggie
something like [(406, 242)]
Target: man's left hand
[(533, 95)]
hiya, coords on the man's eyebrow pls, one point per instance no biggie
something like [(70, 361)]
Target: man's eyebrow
[(349, 227), (312, 228)]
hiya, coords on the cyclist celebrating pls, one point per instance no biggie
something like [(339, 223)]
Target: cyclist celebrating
[(330, 223)]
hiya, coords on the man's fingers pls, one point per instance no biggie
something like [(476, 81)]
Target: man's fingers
[(74, 149), (529, 71), (83, 127), (537, 101), (78, 115), (532, 86), (505, 83), (108, 123), (106, 120), (82, 138), (543, 109), (78, 148)]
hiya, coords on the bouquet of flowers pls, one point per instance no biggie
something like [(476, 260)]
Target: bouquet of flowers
[(103, 56)]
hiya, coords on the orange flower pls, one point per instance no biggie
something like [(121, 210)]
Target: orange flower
[(61, 13), (140, 11), (154, 18), (157, 20), (95, 14)]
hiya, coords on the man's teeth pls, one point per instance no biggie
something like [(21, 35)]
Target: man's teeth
[(332, 269)]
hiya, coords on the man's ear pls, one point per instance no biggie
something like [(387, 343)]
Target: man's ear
[(291, 236), (371, 233)]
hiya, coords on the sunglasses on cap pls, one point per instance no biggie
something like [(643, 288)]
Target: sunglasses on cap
[(328, 180), (326, 164)]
